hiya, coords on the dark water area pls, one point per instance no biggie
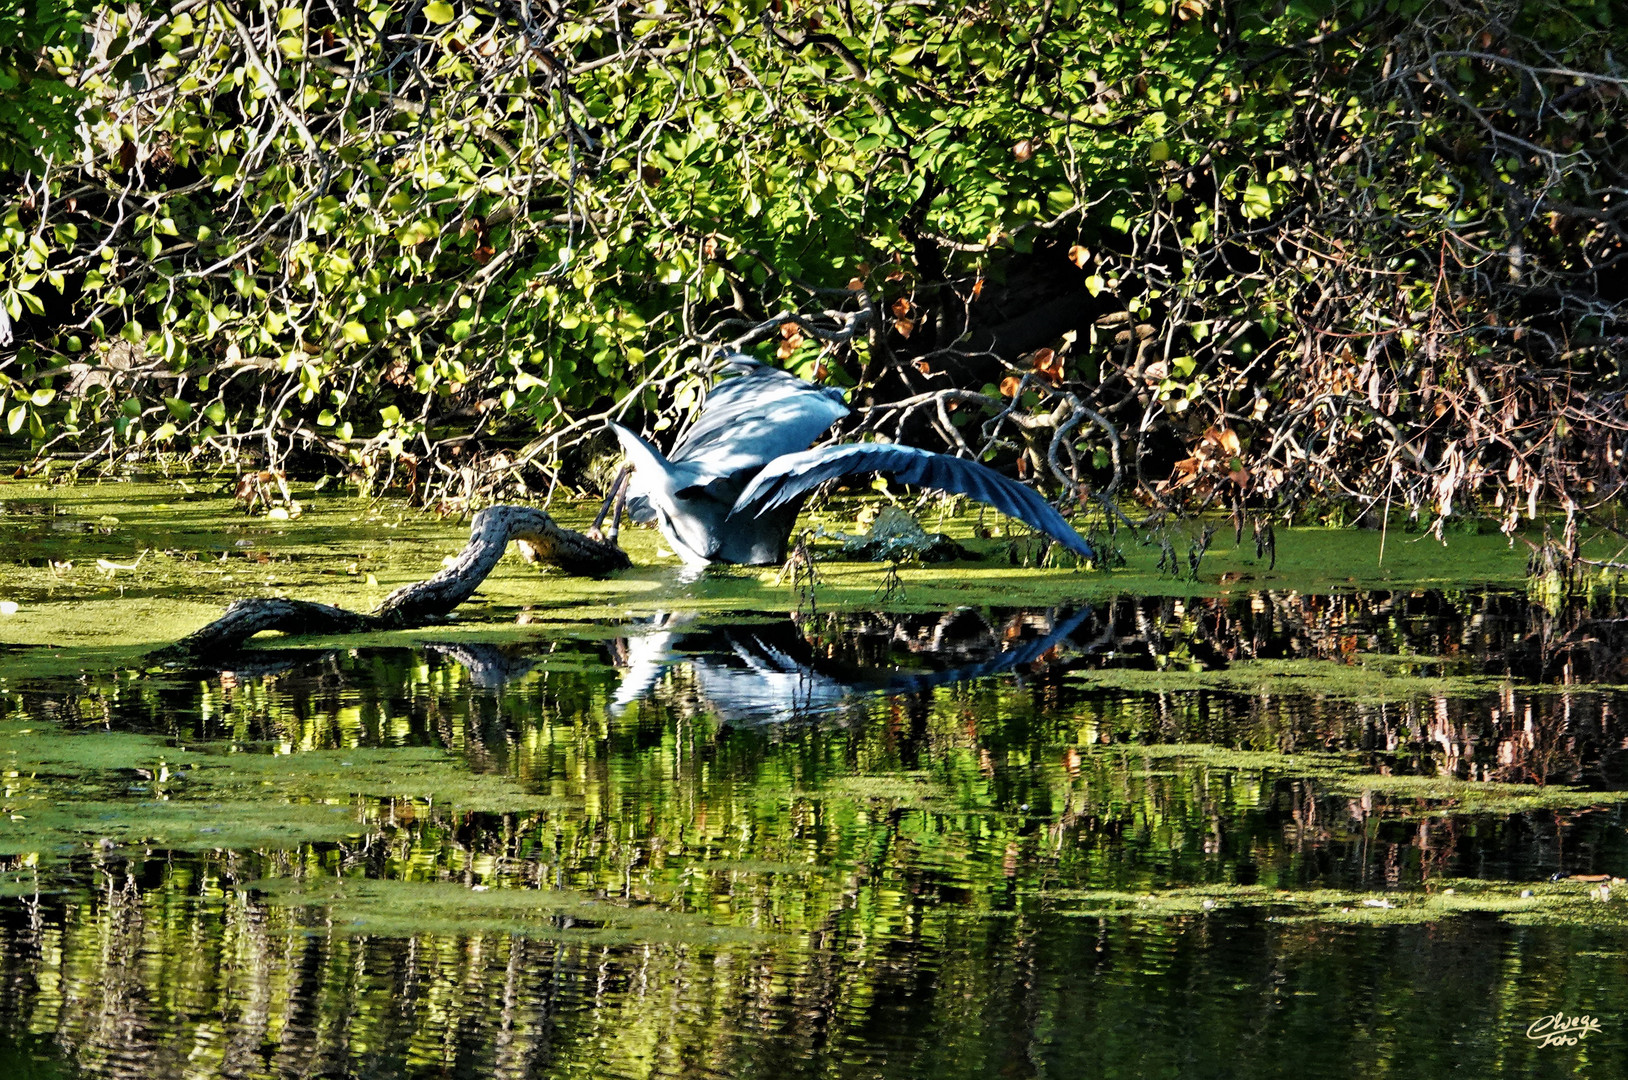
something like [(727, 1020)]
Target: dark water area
[(1271, 834)]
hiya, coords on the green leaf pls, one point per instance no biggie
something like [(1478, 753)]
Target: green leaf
[(1257, 201), (354, 332), (439, 12)]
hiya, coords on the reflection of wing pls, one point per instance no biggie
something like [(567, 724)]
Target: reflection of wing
[(787, 477), (1028, 652), (764, 684), (753, 418)]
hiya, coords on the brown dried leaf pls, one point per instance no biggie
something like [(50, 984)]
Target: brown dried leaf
[(1023, 149), (905, 327), (1079, 256), (901, 307), (1049, 365), (1009, 386), (1225, 438)]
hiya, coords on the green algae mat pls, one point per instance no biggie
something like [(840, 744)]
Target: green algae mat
[(125, 565)]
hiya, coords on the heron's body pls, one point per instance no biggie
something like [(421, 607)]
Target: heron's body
[(731, 488)]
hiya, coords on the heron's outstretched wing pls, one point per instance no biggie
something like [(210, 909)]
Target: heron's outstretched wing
[(791, 475), (753, 418)]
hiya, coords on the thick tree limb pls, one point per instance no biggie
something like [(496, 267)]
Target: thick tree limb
[(540, 539)]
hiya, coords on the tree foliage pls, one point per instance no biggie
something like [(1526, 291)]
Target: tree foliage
[(1262, 253)]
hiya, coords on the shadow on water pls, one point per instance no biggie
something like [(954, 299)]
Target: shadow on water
[(1251, 835)]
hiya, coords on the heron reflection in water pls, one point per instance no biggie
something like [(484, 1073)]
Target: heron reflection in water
[(731, 488), (770, 671)]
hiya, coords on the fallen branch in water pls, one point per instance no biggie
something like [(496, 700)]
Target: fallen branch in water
[(540, 539)]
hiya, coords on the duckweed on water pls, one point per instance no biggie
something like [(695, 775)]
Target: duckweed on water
[(409, 908), (1343, 774), (1363, 680), (66, 789), (1562, 903)]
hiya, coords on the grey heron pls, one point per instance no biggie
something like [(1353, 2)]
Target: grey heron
[(732, 485)]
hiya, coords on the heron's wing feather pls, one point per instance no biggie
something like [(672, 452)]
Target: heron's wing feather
[(752, 419), (640, 454), (791, 475)]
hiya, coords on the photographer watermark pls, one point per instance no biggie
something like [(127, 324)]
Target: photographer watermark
[(1562, 1030)]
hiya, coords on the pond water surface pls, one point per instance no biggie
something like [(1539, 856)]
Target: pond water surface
[(1270, 833), (1334, 814)]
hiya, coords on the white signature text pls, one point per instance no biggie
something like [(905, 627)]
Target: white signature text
[(1560, 1029)]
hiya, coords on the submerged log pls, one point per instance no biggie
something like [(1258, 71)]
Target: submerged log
[(541, 540)]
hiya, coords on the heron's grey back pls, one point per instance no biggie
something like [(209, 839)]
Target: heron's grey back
[(751, 419)]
